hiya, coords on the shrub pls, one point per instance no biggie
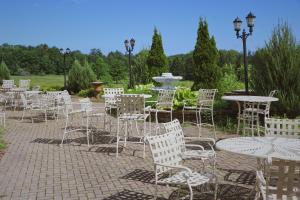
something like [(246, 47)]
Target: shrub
[(4, 72), (184, 94), (91, 92), (80, 77), (277, 66), (229, 81)]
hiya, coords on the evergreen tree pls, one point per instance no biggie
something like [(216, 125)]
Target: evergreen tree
[(75, 77), (277, 66), (205, 56), (140, 67), (4, 72), (88, 76), (157, 60)]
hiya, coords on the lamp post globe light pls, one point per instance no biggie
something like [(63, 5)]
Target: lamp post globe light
[(237, 27), (129, 45), (65, 52)]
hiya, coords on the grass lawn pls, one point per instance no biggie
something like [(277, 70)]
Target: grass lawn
[(45, 82)]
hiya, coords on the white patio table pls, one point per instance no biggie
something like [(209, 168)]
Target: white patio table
[(146, 96), (263, 147), (255, 101)]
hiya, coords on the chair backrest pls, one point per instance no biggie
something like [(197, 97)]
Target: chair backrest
[(283, 179), (130, 104), (7, 84), (165, 150), (85, 104), (25, 84), (206, 98), (23, 100), (165, 99), (272, 93), (282, 127), (174, 126), (112, 91)]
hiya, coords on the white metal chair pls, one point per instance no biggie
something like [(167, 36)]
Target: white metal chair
[(110, 100), (205, 104), (250, 114), (131, 108), (201, 153), (76, 113), (24, 84), (164, 104), (282, 181), (166, 152), (282, 127), (8, 84)]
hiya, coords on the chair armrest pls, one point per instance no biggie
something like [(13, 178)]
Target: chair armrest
[(175, 167), (213, 141), (195, 145), (260, 177)]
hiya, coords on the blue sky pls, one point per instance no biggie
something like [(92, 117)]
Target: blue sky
[(105, 24)]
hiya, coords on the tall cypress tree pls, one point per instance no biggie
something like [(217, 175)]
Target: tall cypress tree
[(205, 56), (4, 72), (157, 60)]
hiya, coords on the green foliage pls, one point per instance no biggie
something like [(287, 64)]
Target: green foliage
[(157, 60), (88, 76), (80, 77), (184, 94), (140, 68), (118, 66), (4, 72), (91, 92), (182, 65), (205, 55), (229, 81), (277, 66)]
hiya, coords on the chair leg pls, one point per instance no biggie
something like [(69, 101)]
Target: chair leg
[(191, 191), (87, 131), (183, 115), (23, 114), (118, 132), (65, 132), (200, 123), (216, 188), (213, 123)]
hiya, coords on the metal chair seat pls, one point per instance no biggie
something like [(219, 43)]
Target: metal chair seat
[(181, 178)]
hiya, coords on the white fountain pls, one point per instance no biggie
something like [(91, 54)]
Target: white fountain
[(167, 80)]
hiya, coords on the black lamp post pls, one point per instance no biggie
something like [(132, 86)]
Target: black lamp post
[(237, 27), (129, 49), (65, 52)]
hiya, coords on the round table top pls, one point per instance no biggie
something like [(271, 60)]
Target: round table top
[(258, 99), (33, 92), (263, 147), (146, 96)]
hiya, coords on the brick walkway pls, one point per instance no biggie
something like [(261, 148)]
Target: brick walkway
[(36, 167)]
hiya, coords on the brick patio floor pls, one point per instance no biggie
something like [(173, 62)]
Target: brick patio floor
[(34, 166)]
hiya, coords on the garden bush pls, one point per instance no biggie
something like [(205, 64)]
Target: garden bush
[(277, 66), (80, 77), (91, 92), (4, 72)]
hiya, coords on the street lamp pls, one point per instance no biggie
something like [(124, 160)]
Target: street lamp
[(65, 52), (237, 27), (129, 45)]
